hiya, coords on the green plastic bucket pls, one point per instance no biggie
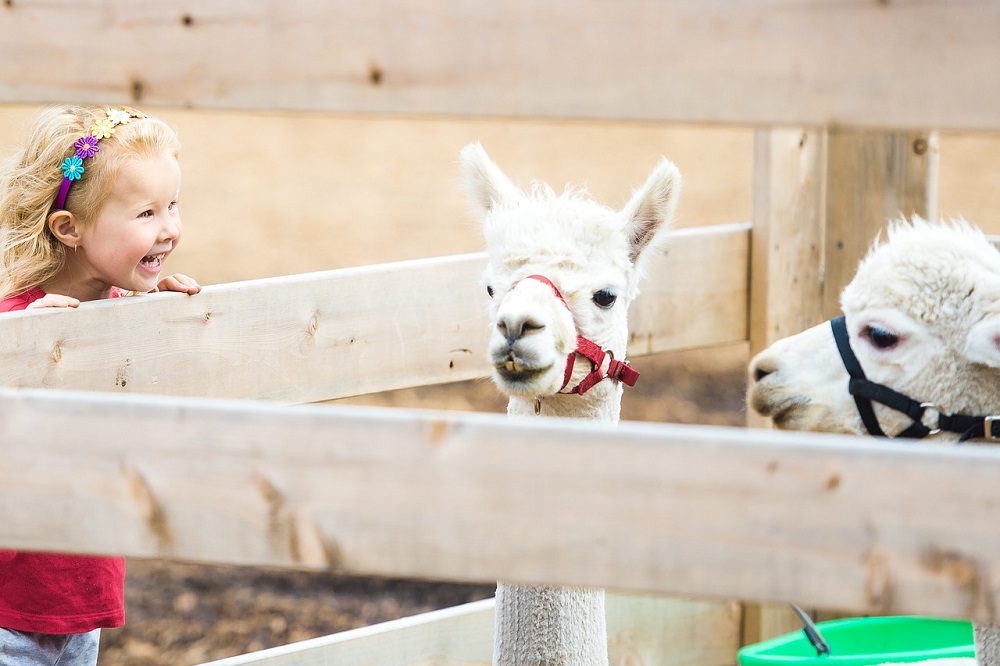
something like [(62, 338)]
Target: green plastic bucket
[(865, 641)]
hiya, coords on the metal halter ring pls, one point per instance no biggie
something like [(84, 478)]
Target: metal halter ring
[(988, 427), (930, 405)]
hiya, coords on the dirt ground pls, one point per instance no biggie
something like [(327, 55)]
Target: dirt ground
[(274, 194)]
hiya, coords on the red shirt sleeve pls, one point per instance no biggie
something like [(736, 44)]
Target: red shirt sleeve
[(21, 301)]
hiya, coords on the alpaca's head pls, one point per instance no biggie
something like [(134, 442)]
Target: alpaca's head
[(591, 253), (923, 318)]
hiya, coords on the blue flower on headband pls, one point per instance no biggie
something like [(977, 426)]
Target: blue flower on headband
[(72, 167), (86, 147)]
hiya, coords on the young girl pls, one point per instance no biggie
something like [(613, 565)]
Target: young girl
[(88, 210)]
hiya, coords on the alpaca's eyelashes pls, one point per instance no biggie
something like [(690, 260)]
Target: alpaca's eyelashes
[(605, 298), (879, 337), (489, 290)]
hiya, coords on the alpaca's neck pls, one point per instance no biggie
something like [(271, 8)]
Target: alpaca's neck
[(555, 626), (549, 626)]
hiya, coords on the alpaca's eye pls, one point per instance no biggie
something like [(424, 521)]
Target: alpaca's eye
[(489, 290), (605, 298), (881, 338)]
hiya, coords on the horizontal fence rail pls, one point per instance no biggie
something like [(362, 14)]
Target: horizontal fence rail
[(861, 63), (641, 630), (320, 336), (827, 521)]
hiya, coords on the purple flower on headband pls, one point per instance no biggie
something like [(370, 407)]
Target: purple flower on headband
[(86, 146), (72, 167)]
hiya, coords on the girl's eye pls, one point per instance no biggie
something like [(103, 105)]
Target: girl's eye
[(489, 290), (605, 298), (879, 336), (146, 213)]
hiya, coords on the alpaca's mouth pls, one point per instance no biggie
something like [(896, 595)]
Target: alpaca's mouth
[(781, 410), (513, 366), (515, 372)]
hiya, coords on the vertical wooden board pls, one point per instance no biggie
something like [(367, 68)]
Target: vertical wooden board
[(872, 178), (786, 278), (820, 198), (672, 630), (768, 620)]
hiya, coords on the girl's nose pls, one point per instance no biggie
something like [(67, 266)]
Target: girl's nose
[(171, 230)]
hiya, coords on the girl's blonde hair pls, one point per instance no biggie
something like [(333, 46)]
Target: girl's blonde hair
[(30, 179)]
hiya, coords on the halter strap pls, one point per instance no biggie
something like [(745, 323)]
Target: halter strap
[(603, 363), (863, 390)]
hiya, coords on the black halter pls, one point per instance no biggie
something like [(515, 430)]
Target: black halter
[(864, 391)]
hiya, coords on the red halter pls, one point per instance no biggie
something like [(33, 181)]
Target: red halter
[(614, 369)]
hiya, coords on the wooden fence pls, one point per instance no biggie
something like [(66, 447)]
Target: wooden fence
[(186, 445)]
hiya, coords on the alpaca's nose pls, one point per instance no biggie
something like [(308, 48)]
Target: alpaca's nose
[(761, 367), (513, 328)]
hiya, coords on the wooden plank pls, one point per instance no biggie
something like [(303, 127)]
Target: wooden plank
[(786, 266), (319, 336), (829, 521), (871, 178), (461, 635), (728, 61), (820, 197), (641, 630), (695, 294), (676, 631)]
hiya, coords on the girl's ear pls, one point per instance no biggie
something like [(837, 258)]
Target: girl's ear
[(64, 227)]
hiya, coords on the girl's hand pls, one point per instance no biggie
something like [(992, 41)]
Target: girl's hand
[(54, 301), (178, 282)]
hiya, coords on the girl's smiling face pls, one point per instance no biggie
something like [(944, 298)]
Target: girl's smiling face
[(136, 229)]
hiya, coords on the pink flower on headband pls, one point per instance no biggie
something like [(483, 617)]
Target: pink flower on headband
[(103, 129), (72, 167), (86, 146)]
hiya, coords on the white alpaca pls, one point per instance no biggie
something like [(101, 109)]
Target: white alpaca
[(922, 318), (562, 271)]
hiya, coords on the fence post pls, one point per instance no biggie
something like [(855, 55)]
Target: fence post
[(820, 197)]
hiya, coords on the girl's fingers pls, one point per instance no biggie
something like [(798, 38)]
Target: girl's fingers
[(53, 301), (180, 282)]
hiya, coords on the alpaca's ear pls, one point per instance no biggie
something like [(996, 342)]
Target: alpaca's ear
[(652, 206), (486, 185), (982, 344)]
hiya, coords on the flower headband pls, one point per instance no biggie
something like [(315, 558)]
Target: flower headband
[(86, 146)]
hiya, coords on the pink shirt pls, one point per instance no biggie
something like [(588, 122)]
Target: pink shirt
[(51, 593)]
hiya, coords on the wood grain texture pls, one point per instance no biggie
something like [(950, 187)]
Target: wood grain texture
[(319, 336), (642, 630), (855, 63), (828, 521)]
